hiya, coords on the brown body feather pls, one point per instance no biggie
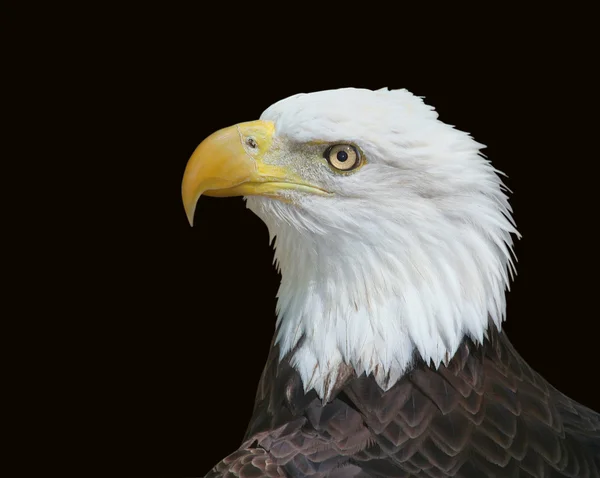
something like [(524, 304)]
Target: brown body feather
[(485, 414)]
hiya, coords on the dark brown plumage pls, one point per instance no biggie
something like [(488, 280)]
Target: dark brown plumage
[(485, 414)]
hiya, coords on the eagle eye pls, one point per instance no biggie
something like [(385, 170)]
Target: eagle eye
[(343, 157)]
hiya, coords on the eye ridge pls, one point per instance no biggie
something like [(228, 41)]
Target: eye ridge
[(343, 157)]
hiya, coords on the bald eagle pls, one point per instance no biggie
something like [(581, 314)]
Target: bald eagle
[(394, 238)]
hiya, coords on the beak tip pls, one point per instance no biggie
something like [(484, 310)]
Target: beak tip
[(190, 217), (189, 204)]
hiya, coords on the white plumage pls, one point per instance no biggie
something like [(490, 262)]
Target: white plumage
[(409, 253)]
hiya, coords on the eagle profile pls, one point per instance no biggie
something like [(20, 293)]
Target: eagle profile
[(394, 240)]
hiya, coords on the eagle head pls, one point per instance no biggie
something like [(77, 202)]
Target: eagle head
[(393, 234)]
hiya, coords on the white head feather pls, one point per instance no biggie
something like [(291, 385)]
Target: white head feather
[(410, 254)]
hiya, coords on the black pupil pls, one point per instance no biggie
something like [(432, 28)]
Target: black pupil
[(342, 156)]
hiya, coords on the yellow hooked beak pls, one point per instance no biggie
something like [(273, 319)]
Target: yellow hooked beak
[(230, 163)]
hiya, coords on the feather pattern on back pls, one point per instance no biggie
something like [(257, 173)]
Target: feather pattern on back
[(486, 413)]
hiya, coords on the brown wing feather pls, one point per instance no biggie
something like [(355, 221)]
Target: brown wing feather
[(486, 413), (247, 463)]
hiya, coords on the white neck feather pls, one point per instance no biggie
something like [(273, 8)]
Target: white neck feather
[(373, 301)]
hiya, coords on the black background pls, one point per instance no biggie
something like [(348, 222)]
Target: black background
[(174, 323)]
